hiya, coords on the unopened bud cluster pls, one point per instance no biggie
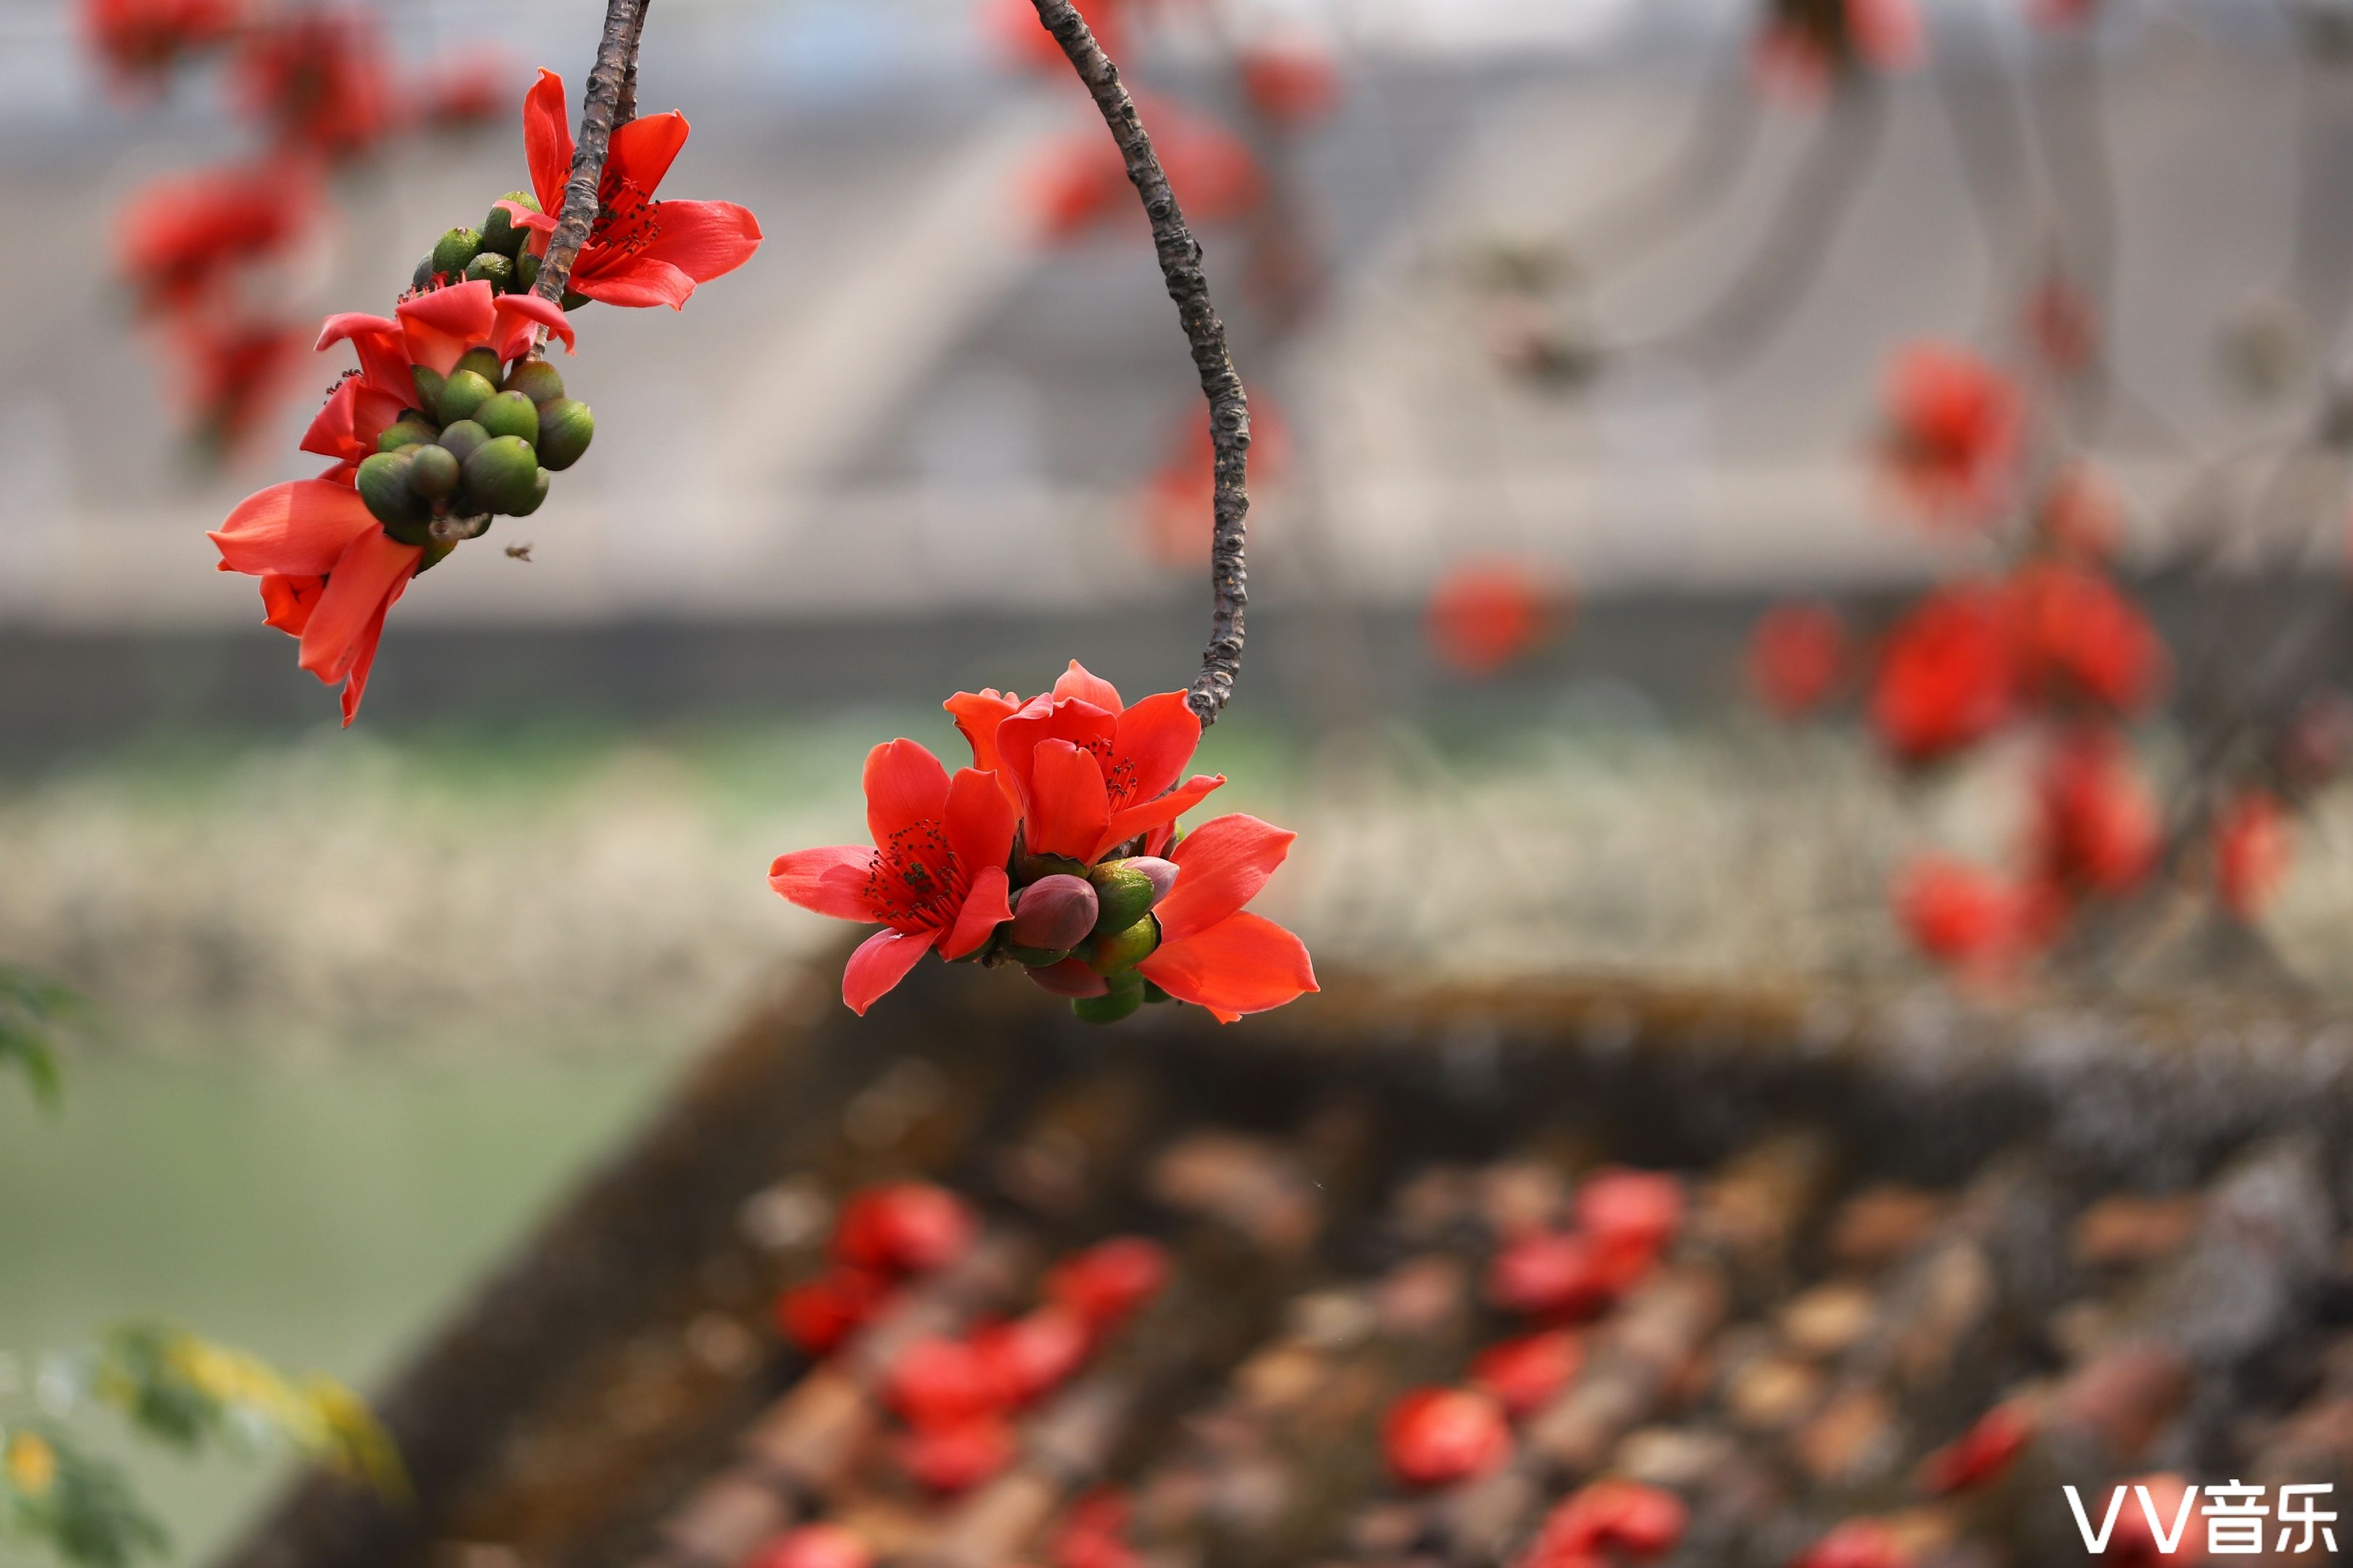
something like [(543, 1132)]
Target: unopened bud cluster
[(478, 442), (1082, 930), (496, 254)]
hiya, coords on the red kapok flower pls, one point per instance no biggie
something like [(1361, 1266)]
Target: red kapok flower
[(1857, 1543), (2082, 519), (1088, 771), (431, 330), (2096, 828), (141, 38), (1981, 1455), (1105, 1284), (934, 878), (1631, 1215), (1437, 1436), (1291, 81), (640, 251), (944, 1383), (1945, 677), (2170, 1508), (1486, 615), (820, 1315), (1012, 26), (1959, 915), (181, 235), (1178, 498), (814, 1546), (318, 78), (1551, 1274), (231, 375), (1795, 657), (1213, 953), (1033, 1354), (958, 1457), (1079, 181), (1609, 1521), (466, 87), (2251, 852), (1526, 1374), (903, 1227), (1953, 426), (2077, 636), (1095, 1533)]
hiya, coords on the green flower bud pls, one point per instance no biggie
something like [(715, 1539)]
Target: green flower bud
[(509, 413), (402, 433), (433, 471), (500, 233), (464, 392), (1124, 949), (1124, 996), (1128, 889), (526, 272), (383, 482), (428, 389), (573, 300), (565, 428), (492, 268), (1035, 957), (1153, 995), (454, 249), (1031, 867), (482, 362), (434, 554), (423, 276), (462, 437), (535, 379), (502, 474), (538, 494)]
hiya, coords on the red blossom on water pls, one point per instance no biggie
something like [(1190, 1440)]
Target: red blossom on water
[(1959, 915), (1437, 1436), (1105, 1284), (182, 235), (640, 251), (1291, 81), (1796, 656), (1944, 679), (1857, 1543), (904, 1228), (1609, 1520), (141, 39), (317, 78), (2097, 827), (2251, 852), (2075, 636), (1552, 1274), (934, 878), (1527, 1373), (1486, 616), (958, 1457), (1952, 435), (231, 374), (1981, 1455), (814, 1546)]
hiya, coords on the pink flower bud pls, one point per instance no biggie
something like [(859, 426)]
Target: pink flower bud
[(1054, 913)]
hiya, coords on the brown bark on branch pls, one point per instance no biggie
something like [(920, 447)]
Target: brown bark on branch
[(600, 111), (1180, 265)]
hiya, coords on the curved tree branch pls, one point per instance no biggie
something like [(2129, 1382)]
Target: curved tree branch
[(1180, 265), (616, 67)]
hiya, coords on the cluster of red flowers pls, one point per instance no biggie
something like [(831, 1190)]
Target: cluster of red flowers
[(1058, 850), (1806, 46), (454, 415), (198, 251), (957, 1395), (2052, 641), (1554, 1276)]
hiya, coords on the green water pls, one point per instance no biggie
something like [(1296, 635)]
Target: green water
[(324, 1217)]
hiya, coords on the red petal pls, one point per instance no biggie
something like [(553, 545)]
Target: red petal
[(353, 416), (643, 150), (985, 906), (547, 140), (980, 822), (881, 962), (831, 880), (514, 319), (1068, 806), (702, 239), (1157, 737), (1220, 867), (445, 323), (344, 623), (287, 601), (1158, 812), (355, 683), (977, 714), (904, 785), (298, 528), (1244, 963), (636, 282), (1045, 718), (1079, 684)]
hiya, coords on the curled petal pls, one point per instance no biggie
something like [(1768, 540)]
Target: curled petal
[(355, 682), (348, 615), (287, 601), (904, 785), (547, 140), (1221, 865), (1156, 738), (1079, 684), (298, 528), (831, 881), (515, 317), (643, 150), (702, 239), (881, 962), (986, 906), (632, 282), (978, 715), (1069, 809), (443, 324), (979, 822), (1244, 963), (353, 416), (1157, 812), (381, 346)]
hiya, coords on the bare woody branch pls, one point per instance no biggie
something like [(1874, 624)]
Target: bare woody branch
[(600, 111), (1180, 265)]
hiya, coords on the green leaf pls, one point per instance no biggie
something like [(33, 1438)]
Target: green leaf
[(81, 1506), (32, 1012)]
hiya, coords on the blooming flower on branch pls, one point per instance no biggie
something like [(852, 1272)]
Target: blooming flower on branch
[(1953, 430), (640, 251)]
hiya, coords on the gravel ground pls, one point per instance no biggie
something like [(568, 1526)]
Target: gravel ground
[(346, 892)]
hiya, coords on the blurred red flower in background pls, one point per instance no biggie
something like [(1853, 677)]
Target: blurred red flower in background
[(1796, 657), (1486, 616), (1436, 1437), (814, 1546), (2250, 851), (2096, 828), (1981, 1455), (1959, 915), (1012, 26), (1608, 1521), (319, 78), (1944, 681), (1952, 430), (465, 87), (180, 237), (2075, 636), (1290, 81), (1079, 182), (231, 374), (140, 39), (1176, 499), (640, 251), (1857, 1543)]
